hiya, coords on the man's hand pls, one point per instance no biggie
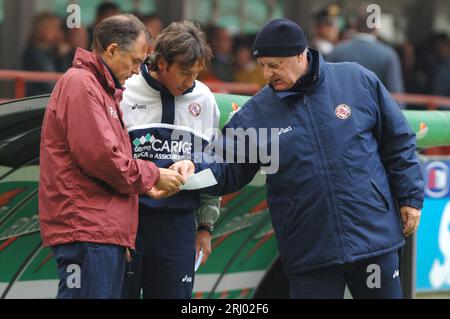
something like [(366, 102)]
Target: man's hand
[(128, 257), (410, 219), (203, 242), (169, 183), (185, 168)]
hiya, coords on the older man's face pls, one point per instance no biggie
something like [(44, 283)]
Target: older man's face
[(283, 72), (125, 63)]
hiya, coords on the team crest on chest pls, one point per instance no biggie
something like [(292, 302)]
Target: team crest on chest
[(343, 111), (195, 109)]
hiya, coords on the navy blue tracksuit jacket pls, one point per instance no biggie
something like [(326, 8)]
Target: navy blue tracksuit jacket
[(347, 162)]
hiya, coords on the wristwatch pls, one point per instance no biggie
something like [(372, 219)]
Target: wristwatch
[(208, 227)]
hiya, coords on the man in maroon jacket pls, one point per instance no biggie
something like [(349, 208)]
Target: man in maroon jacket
[(89, 182)]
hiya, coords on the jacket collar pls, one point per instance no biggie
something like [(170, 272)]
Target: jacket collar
[(309, 81), (92, 62), (116, 81), (157, 85), (365, 37)]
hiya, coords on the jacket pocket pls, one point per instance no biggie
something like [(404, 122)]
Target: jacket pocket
[(380, 194)]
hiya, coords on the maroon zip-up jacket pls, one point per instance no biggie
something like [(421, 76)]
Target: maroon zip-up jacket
[(89, 182)]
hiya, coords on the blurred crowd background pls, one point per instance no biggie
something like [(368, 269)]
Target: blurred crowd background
[(410, 52)]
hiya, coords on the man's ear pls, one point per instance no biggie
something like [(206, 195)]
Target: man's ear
[(112, 50), (162, 64)]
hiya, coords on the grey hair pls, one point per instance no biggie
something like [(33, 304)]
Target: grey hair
[(122, 29)]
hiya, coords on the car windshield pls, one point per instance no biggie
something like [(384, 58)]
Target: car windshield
[(20, 129)]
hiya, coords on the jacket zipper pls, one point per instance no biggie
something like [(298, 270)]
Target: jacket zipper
[(316, 135)]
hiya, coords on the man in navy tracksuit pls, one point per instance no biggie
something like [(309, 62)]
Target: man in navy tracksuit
[(348, 186)]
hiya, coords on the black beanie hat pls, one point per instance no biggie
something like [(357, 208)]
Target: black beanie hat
[(279, 37)]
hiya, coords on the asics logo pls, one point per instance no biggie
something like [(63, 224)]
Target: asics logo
[(186, 279), (139, 106), (285, 130)]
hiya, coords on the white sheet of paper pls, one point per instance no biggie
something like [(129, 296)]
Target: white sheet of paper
[(199, 260), (202, 179)]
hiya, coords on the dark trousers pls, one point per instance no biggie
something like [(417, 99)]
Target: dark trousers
[(89, 270), (372, 278), (163, 262)]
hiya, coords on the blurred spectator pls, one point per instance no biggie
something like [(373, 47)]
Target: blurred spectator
[(75, 38), (350, 21), (433, 61), (367, 50), (78, 38), (245, 68), (415, 79), (104, 10), (428, 58), (326, 29), (221, 67), (45, 50), (153, 23), (441, 77)]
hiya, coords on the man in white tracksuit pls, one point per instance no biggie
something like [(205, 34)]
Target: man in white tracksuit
[(168, 115)]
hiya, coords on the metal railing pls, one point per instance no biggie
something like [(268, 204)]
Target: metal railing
[(21, 77)]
